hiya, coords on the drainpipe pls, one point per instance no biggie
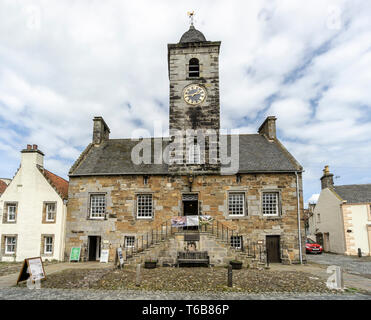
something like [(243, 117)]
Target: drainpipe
[(299, 230)]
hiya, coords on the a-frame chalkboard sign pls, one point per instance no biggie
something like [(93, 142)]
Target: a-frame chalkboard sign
[(32, 267)]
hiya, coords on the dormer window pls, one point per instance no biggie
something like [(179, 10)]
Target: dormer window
[(194, 68)]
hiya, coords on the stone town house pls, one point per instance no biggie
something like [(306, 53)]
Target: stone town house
[(114, 202)]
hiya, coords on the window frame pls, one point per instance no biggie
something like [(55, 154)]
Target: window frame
[(244, 209), (278, 203), (8, 206), (6, 244), (138, 195), (102, 216), (48, 244), (192, 154), (195, 72), (240, 240), (126, 240), (47, 213)]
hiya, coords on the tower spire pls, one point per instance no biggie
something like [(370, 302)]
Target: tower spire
[(191, 16)]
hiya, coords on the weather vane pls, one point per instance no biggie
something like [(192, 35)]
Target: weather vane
[(191, 16)]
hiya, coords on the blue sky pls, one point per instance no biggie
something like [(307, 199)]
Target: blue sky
[(307, 63)]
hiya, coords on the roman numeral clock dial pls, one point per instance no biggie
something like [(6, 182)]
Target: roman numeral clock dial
[(194, 94)]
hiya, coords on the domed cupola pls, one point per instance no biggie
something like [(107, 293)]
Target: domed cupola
[(192, 35)]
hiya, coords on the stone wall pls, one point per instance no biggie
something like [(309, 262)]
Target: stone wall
[(212, 190)]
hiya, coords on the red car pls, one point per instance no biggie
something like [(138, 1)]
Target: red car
[(312, 247)]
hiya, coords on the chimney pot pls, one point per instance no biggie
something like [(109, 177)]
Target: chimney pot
[(29, 147), (34, 146)]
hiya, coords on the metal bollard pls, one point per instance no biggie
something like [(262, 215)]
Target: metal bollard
[(230, 276), (359, 253)]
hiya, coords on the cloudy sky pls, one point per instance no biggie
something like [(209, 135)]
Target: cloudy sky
[(306, 62)]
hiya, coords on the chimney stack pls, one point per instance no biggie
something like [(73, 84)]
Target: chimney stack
[(100, 131), (327, 180), (32, 156), (268, 128)]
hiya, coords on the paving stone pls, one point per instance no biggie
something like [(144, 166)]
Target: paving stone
[(78, 294)]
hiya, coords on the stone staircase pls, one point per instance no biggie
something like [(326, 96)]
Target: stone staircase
[(164, 246)]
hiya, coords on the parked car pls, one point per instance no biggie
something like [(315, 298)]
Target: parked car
[(313, 247)]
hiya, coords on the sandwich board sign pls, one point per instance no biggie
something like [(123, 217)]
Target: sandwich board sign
[(32, 267), (75, 254), (104, 255), (121, 258)]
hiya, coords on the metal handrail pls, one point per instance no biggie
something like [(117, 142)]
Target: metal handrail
[(154, 236)]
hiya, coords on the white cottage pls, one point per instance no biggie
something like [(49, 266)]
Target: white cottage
[(342, 217), (33, 211)]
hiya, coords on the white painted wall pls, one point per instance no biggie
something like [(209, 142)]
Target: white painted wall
[(331, 221), (30, 189)]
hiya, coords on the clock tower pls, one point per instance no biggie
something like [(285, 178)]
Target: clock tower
[(194, 82), (193, 65)]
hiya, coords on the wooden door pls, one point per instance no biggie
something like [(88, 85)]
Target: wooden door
[(273, 248)]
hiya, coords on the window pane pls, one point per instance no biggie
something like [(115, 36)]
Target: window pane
[(236, 242), (236, 203), (270, 203), (97, 205), (129, 241), (48, 244), (10, 245), (194, 68), (144, 205), (11, 212), (194, 155), (50, 211)]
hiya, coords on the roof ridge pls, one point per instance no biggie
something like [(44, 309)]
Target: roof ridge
[(168, 137), (355, 184)]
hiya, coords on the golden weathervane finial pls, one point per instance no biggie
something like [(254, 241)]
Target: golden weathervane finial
[(191, 15)]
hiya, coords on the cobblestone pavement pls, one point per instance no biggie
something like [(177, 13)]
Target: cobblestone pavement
[(76, 294), (354, 265), (11, 279)]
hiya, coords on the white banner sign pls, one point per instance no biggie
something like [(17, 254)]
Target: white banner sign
[(36, 269), (104, 255), (192, 221)]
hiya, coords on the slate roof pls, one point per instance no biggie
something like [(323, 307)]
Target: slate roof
[(192, 35), (354, 193), (3, 186), (113, 157), (58, 183)]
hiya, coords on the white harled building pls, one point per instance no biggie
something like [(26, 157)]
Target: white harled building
[(33, 211), (342, 217)]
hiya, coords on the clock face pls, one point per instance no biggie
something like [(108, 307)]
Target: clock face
[(194, 94)]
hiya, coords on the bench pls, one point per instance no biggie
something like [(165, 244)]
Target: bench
[(193, 257)]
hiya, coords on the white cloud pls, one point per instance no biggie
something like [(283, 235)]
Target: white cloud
[(64, 62), (313, 198)]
